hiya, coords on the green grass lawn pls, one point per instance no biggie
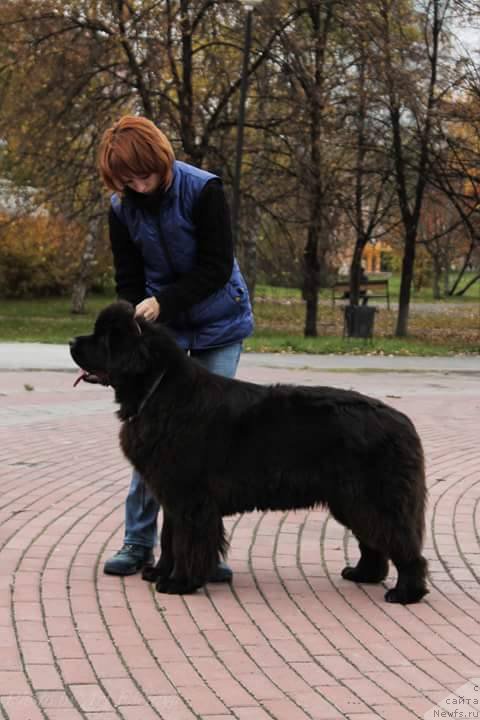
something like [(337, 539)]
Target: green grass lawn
[(47, 319), (411, 346), (423, 295), (435, 328)]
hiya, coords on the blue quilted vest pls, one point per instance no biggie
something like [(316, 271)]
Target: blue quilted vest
[(224, 317)]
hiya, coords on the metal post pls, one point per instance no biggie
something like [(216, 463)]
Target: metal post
[(240, 128)]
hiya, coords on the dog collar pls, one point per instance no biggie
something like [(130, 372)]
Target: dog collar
[(147, 396)]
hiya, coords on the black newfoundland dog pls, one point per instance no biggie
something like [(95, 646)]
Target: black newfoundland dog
[(208, 446)]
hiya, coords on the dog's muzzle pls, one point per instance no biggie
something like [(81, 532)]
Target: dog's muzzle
[(97, 377)]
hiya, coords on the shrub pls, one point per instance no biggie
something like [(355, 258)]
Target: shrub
[(39, 255)]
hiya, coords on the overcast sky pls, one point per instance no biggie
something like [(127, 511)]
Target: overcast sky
[(469, 37)]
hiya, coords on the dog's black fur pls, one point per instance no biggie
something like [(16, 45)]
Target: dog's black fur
[(208, 446)]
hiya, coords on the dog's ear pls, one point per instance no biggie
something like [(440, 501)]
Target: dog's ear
[(126, 353)]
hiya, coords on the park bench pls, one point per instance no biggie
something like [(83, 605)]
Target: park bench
[(372, 289)]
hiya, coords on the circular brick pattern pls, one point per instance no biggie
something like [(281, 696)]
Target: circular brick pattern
[(289, 640)]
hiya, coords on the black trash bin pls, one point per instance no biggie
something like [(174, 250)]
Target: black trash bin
[(359, 320)]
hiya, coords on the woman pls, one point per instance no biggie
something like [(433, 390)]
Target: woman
[(172, 249)]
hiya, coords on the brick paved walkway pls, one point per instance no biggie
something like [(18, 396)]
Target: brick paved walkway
[(290, 640)]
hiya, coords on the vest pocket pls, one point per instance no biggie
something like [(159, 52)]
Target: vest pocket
[(237, 294), (225, 304), (212, 309)]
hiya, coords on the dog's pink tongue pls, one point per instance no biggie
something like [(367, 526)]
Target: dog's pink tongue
[(81, 376)]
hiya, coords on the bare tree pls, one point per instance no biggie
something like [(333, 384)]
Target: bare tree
[(413, 91), (455, 171), (308, 54), (179, 63), (369, 206)]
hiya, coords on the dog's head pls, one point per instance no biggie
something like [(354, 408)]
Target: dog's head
[(115, 346)]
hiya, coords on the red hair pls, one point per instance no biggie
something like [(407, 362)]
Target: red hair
[(134, 147)]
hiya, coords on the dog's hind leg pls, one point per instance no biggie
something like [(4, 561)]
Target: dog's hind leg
[(164, 566), (404, 547), (411, 584), (372, 566)]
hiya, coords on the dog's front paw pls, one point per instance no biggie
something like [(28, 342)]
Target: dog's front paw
[(162, 570), (153, 573), (176, 586), (161, 584), (365, 575)]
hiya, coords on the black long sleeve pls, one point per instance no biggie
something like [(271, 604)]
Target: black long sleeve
[(213, 265), (127, 262)]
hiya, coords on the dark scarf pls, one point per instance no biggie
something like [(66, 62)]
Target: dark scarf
[(150, 202)]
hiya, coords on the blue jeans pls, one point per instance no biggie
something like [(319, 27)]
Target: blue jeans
[(141, 508)]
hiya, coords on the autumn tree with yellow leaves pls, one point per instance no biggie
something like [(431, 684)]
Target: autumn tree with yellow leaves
[(345, 115)]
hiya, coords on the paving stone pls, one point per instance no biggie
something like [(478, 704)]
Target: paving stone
[(289, 640)]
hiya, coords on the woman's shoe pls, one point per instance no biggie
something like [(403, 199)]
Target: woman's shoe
[(129, 560)]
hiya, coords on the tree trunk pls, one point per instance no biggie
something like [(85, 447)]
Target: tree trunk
[(437, 276), (249, 259), (355, 266), (408, 264), (80, 286), (355, 270), (321, 17), (310, 286), (446, 280), (411, 193)]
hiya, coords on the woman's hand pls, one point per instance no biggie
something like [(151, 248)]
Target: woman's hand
[(148, 309)]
